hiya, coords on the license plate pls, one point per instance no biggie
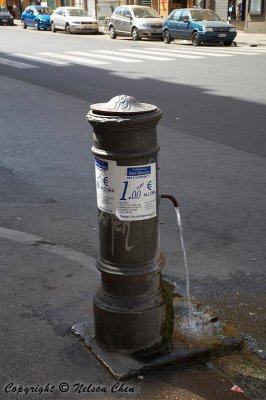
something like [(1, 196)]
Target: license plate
[(222, 35), (4, 20)]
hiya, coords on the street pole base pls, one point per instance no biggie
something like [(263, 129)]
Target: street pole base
[(197, 337)]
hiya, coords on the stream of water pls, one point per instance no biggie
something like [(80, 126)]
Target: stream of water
[(179, 221)]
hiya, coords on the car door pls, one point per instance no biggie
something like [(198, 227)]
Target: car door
[(59, 18), (25, 15), (126, 21), (116, 19), (185, 26), (30, 17), (173, 24)]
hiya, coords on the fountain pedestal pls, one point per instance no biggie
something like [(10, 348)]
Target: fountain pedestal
[(207, 338)]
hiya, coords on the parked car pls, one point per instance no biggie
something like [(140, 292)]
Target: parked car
[(73, 19), (6, 18), (135, 21), (198, 25), (37, 17)]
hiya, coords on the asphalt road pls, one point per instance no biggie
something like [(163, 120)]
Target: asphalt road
[(212, 158)]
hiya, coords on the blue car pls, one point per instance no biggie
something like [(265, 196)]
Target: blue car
[(37, 17), (199, 26)]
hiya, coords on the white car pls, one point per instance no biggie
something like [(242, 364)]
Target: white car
[(73, 20)]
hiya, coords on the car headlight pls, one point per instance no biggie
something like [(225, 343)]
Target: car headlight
[(208, 29), (233, 29)]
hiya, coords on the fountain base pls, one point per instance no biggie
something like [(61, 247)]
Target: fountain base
[(200, 337)]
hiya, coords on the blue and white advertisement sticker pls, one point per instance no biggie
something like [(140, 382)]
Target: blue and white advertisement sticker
[(105, 185), (129, 192)]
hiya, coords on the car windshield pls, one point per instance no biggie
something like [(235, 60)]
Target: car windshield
[(3, 9), (77, 12), (145, 13), (44, 10), (204, 15)]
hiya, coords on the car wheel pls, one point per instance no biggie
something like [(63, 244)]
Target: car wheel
[(53, 27), (36, 26), (166, 37), (24, 26), (112, 32), (67, 29), (135, 34), (228, 43), (195, 39)]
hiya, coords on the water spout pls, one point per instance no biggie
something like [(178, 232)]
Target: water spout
[(170, 197), (176, 206)]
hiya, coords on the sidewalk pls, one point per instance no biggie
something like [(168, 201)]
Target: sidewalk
[(44, 294), (250, 39), (47, 284)]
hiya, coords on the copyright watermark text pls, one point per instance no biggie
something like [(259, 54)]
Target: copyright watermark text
[(65, 387)]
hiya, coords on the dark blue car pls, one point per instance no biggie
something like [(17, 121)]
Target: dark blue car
[(199, 26), (6, 18), (37, 17)]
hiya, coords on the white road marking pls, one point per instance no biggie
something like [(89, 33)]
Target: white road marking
[(46, 60), (123, 53), (75, 60), (105, 57), (166, 53), (178, 51), (129, 55)]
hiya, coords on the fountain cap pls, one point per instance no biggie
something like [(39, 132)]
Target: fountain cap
[(123, 104)]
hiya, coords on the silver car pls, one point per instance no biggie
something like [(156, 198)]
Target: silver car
[(135, 21), (73, 20)]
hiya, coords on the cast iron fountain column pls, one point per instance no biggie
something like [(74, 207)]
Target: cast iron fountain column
[(132, 313)]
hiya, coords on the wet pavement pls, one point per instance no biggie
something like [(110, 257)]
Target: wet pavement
[(241, 300)]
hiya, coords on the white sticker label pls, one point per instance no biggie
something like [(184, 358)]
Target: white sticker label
[(129, 192)]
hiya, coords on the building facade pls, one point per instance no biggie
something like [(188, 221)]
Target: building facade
[(247, 15)]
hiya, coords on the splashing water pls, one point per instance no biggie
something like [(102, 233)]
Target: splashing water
[(185, 263)]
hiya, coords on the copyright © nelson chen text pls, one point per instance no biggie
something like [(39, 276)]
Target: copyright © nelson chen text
[(65, 387)]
